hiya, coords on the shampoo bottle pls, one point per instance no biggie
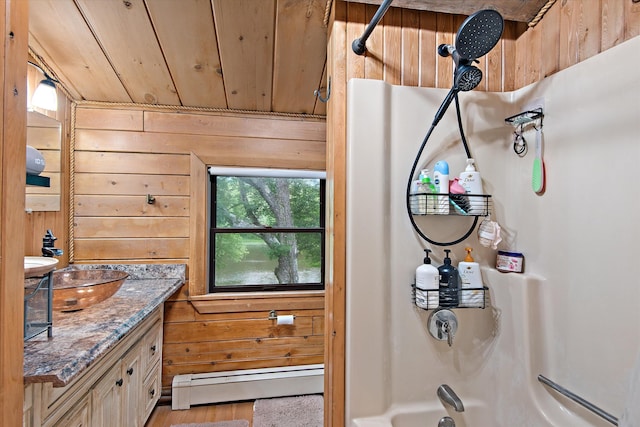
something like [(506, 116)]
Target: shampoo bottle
[(471, 181), (472, 292), (441, 182), (449, 283), (427, 283)]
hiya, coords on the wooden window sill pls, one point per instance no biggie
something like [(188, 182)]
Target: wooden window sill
[(230, 302)]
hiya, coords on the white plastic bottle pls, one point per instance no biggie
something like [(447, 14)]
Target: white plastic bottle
[(470, 276), (427, 284), (472, 182), (472, 294), (418, 200), (441, 182)]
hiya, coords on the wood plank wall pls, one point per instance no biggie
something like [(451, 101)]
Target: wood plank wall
[(402, 50), (14, 18), (236, 334), (121, 155), (572, 31)]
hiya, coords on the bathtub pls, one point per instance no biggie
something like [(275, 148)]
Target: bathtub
[(479, 414), (476, 414)]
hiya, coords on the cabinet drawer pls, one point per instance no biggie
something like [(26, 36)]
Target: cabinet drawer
[(152, 348), (151, 391)]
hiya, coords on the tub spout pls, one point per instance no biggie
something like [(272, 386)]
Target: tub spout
[(448, 396)]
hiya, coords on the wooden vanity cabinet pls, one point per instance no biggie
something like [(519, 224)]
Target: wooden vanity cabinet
[(119, 389)]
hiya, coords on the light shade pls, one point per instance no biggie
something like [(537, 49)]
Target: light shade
[(45, 95)]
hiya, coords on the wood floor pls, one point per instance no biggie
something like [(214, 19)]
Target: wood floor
[(163, 416)]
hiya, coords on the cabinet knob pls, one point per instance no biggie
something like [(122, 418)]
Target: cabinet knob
[(120, 382), (153, 348), (152, 392), (130, 371)]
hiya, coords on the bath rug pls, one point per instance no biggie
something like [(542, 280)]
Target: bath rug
[(235, 423), (296, 411)]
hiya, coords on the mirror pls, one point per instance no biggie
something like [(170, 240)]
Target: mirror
[(44, 134)]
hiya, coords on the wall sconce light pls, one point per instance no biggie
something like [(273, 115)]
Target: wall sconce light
[(45, 95)]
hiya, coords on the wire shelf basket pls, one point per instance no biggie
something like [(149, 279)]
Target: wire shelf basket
[(525, 117), (450, 204), (466, 298)]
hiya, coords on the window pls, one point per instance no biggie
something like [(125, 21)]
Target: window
[(267, 230)]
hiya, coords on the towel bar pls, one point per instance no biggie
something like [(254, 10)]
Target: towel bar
[(590, 406)]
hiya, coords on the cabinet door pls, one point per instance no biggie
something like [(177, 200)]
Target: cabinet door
[(106, 399), (131, 390), (78, 416)]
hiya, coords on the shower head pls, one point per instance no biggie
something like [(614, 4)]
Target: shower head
[(466, 78), (479, 33)]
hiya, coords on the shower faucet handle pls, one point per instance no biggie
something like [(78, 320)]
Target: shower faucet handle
[(444, 331), (442, 325), (447, 330)]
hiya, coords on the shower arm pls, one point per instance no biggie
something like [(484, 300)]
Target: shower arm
[(359, 45), (413, 171)]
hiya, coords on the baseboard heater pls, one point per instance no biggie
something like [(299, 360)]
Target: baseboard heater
[(246, 384)]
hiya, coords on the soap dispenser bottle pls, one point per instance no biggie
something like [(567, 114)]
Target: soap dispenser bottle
[(449, 283), (427, 284)]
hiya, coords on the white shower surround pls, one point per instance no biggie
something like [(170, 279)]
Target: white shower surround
[(573, 316)]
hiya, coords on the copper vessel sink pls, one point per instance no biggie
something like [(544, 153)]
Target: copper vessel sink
[(78, 289)]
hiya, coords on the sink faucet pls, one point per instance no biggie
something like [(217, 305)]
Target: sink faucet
[(448, 396), (48, 245)]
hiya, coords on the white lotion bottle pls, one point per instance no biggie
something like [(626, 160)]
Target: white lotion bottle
[(472, 182), (427, 284), (441, 181)]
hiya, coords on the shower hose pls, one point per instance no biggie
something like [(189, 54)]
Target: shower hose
[(413, 170)]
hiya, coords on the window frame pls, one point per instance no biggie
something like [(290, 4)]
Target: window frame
[(214, 173)]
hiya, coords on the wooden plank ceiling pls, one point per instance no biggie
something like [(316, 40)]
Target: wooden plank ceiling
[(256, 55)]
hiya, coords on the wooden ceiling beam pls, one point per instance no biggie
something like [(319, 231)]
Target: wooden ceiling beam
[(519, 11)]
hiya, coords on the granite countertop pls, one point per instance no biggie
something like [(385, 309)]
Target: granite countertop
[(82, 337)]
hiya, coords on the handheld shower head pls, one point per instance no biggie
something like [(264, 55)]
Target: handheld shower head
[(467, 77)]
